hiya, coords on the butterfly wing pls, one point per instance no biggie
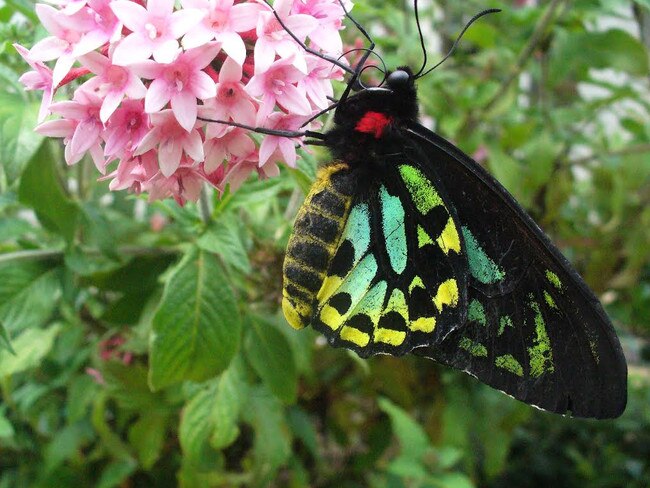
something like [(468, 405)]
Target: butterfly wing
[(534, 329), (398, 277)]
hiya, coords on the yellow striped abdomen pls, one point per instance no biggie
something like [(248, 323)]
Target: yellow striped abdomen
[(315, 238)]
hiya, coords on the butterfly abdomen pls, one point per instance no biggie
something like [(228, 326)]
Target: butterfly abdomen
[(314, 240)]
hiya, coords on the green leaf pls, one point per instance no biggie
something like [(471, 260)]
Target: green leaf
[(197, 326), (509, 173), (66, 444), (6, 429), (210, 418), (31, 347), (414, 442), (452, 480), (272, 446), (41, 189), (229, 399), (116, 473), (578, 52), (147, 436), (127, 384), (303, 428), (223, 238), (5, 343), (271, 356), (29, 293), (18, 141)]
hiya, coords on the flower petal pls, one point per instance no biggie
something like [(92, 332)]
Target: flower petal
[(157, 96), (131, 14), (193, 145), (184, 108), (294, 100), (167, 51), (169, 156), (111, 101), (203, 86), (234, 47), (134, 48)]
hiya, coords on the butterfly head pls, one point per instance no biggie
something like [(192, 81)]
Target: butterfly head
[(373, 110)]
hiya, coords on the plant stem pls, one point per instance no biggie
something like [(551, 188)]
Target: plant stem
[(204, 206), (38, 254)]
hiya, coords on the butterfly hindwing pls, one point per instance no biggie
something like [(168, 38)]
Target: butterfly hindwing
[(398, 277), (533, 329)]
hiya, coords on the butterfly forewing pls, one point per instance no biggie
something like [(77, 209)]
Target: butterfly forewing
[(533, 329)]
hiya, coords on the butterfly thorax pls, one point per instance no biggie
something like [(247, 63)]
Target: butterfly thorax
[(370, 122)]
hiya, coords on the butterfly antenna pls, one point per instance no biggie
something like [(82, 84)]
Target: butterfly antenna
[(424, 48), (453, 47)]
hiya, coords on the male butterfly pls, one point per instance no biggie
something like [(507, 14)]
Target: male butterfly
[(404, 244)]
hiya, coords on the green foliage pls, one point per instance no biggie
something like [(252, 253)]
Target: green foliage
[(142, 344)]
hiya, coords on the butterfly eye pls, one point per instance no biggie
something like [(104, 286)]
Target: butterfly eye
[(398, 79)]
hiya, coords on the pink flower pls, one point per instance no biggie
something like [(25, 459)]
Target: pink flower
[(80, 127), (185, 184), (236, 173), (233, 145), (222, 22), (171, 140), (272, 38), (69, 39), (107, 27), (279, 147), (328, 13), (141, 114), (180, 82), (39, 79), (276, 84), (133, 173), (317, 84), (232, 101), (155, 30), (125, 129), (112, 82)]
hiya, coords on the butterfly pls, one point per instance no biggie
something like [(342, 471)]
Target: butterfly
[(405, 245)]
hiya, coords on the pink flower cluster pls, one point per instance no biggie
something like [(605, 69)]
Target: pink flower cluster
[(153, 73)]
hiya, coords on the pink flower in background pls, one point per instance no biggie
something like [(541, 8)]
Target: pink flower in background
[(231, 101), (68, 40), (112, 82), (223, 22), (171, 140), (318, 82), (154, 30), (233, 145), (273, 39), (156, 73), (133, 173), (126, 129), (86, 128), (277, 85), (276, 147), (185, 184), (180, 82), (328, 14), (39, 79)]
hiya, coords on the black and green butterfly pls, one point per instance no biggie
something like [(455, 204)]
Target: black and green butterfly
[(406, 245)]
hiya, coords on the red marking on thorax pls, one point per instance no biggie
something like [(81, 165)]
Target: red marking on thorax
[(373, 123)]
